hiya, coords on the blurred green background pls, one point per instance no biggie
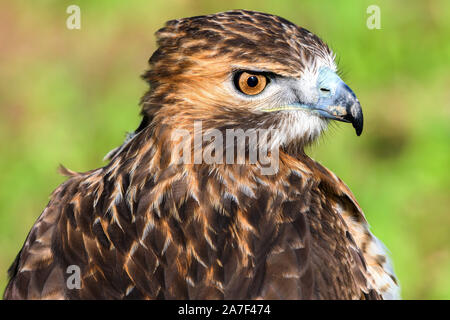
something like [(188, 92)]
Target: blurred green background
[(69, 96)]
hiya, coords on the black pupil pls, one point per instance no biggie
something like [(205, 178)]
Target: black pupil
[(252, 81)]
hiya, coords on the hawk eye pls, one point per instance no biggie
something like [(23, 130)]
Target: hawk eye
[(250, 83)]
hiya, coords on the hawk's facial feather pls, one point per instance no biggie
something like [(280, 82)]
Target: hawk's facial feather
[(194, 72)]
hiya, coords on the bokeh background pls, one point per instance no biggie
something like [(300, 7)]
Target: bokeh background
[(69, 96)]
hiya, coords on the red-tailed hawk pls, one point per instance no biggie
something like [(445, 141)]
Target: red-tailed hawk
[(149, 226)]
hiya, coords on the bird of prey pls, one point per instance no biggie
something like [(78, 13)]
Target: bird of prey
[(148, 226)]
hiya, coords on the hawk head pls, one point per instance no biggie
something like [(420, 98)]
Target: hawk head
[(248, 70)]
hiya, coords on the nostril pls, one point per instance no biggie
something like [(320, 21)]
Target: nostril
[(326, 90)]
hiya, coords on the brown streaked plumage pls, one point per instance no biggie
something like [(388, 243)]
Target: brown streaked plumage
[(146, 227)]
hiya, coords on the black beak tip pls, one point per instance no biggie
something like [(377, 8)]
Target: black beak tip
[(355, 116), (356, 120), (358, 124)]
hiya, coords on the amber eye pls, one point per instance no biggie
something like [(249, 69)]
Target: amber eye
[(250, 83)]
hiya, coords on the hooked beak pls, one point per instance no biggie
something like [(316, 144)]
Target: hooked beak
[(340, 103), (336, 101)]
